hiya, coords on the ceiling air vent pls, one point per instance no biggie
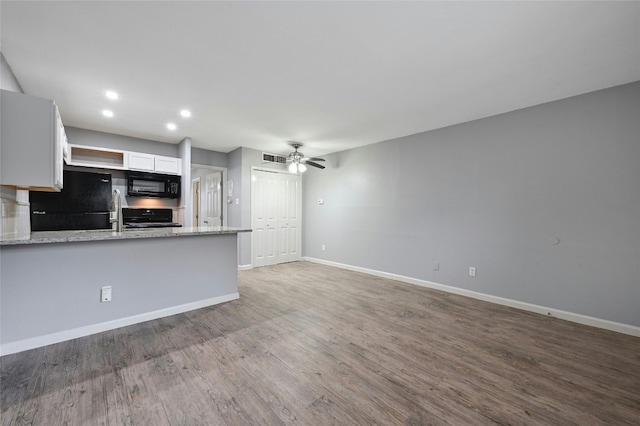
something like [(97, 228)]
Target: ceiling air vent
[(272, 158)]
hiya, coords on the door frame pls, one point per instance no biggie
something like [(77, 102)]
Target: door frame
[(251, 207), (195, 201), (223, 189)]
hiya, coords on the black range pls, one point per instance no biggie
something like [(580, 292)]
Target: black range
[(148, 218)]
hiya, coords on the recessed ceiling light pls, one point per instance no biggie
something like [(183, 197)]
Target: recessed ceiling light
[(171, 126), (185, 113), (107, 113), (111, 94)]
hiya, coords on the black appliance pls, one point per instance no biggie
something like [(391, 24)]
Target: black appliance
[(83, 203), (148, 218), (146, 184)]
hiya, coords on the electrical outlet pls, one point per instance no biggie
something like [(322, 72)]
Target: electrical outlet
[(105, 294), (436, 266), (320, 201), (472, 271), (323, 247)]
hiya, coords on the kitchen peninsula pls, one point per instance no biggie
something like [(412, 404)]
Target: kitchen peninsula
[(51, 282)]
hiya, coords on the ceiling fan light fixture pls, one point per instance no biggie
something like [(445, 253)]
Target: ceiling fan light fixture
[(297, 160), (296, 167)]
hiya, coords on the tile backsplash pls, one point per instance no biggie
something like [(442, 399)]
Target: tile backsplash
[(15, 214)]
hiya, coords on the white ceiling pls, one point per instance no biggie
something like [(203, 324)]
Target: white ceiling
[(334, 75)]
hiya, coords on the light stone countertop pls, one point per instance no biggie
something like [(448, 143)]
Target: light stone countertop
[(47, 237)]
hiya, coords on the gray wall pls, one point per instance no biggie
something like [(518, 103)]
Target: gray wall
[(544, 202), (15, 217), (250, 158), (234, 175), (241, 162), (210, 158), (236, 214), (63, 292), (126, 143), (184, 209), (242, 159), (8, 80)]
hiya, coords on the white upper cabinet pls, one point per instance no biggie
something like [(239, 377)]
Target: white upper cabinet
[(60, 146), (115, 159), (91, 156), (169, 165), (33, 143), (154, 163), (140, 161)]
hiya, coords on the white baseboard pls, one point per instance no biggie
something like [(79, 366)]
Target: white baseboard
[(49, 339), (245, 267), (569, 316)]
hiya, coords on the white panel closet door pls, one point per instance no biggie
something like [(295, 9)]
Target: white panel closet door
[(271, 218), (275, 217), (289, 219)]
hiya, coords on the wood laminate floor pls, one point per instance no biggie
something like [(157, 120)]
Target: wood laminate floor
[(314, 345)]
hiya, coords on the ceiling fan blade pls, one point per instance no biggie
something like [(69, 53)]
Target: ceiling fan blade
[(315, 159), (311, 163)]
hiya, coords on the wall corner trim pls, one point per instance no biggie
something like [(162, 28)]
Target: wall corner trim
[(49, 339), (542, 310)]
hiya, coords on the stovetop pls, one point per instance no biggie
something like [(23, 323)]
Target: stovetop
[(152, 225), (148, 218)]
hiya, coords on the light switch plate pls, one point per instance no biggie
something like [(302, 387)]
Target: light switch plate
[(105, 294)]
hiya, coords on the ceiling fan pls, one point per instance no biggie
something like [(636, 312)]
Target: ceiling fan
[(298, 162)]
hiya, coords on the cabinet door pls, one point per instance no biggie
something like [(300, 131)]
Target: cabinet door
[(139, 161), (30, 157), (60, 144), (167, 165), (102, 158)]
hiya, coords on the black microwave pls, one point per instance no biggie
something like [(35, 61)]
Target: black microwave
[(146, 184)]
